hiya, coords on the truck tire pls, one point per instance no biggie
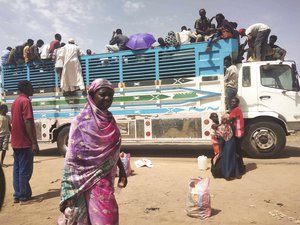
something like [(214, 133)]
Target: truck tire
[(62, 140), (264, 140)]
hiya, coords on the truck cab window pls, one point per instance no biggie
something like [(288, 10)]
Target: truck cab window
[(277, 76), (246, 77), (296, 78)]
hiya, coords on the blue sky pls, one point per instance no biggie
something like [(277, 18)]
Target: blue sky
[(91, 22)]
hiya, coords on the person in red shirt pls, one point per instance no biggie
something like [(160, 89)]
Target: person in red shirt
[(54, 44), (237, 119), (23, 142)]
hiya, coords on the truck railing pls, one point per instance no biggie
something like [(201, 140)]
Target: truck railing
[(159, 63)]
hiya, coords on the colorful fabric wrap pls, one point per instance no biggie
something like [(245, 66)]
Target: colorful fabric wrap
[(93, 151)]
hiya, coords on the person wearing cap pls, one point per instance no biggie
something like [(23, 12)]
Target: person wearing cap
[(258, 33), (71, 76)]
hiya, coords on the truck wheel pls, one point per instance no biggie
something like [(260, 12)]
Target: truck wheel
[(264, 140), (62, 140)]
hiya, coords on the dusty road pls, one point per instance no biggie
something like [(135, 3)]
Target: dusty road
[(269, 193)]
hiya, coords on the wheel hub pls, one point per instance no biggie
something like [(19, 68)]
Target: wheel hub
[(264, 139)]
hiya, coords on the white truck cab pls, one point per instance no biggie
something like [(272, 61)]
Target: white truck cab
[(270, 100)]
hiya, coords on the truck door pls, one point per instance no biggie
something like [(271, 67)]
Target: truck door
[(278, 91), (247, 91)]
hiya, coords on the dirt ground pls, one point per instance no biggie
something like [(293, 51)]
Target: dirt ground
[(269, 193)]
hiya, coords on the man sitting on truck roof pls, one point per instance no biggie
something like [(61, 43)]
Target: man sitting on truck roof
[(34, 54), (5, 55), (185, 35), (202, 26), (278, 53), (26, 52), (117, 42)]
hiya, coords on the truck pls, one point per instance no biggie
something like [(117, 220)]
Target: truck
[(164, 96)]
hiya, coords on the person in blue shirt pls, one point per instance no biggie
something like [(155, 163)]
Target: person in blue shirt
[(4, 55)]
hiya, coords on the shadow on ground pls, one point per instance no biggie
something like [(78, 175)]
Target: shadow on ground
[(49, 152), (175, 151), (290, 151), (52, 193), (168, 151)]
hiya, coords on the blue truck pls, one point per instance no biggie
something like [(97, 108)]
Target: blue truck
[(165, 95)]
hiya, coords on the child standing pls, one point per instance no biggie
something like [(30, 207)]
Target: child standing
[(214, 133), (5, 128)]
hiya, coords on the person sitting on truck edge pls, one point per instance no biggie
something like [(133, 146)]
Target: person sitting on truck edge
[(224, 31), (71, 76), (259, 32), (161, 42), (54, 44), (231, 80), (5, 55), (18, 53), (34, 53), (118, 42), (171, 39), (278, 53), (237, 119), (11, 57), (26, 52), (185, 35), (89, 52), (201, 26)]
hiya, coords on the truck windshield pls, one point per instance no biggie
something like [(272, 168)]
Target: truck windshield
[(277, 76)]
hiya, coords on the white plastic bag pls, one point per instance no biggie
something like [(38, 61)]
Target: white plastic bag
[(125, 158), (68, 217), (198, 198)]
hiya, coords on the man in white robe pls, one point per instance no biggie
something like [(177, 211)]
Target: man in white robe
[(71, 76)]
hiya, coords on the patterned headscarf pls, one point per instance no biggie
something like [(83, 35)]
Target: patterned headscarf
[(93, 149), (99, 83), (171, 38)]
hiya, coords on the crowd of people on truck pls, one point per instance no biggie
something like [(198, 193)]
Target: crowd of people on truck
[(204, 30)]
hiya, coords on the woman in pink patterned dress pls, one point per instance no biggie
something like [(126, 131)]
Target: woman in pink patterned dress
[(91, 161)]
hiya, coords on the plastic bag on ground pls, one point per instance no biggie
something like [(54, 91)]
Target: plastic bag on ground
[(125, 158), (143, 162), (198, 198)]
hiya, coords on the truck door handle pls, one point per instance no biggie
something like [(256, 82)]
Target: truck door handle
[(265, 97)]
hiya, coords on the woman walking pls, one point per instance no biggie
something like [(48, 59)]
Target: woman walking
[(92, 159)]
